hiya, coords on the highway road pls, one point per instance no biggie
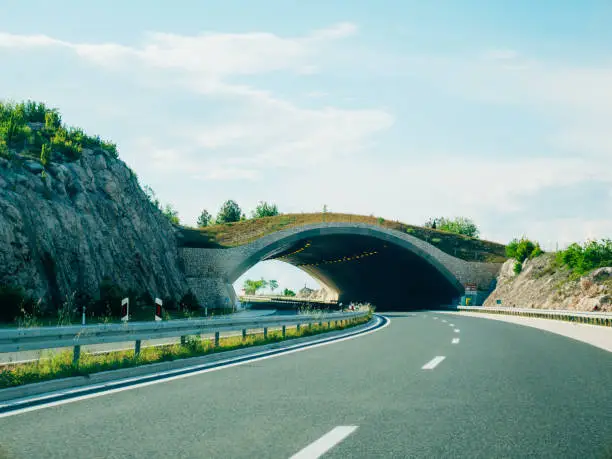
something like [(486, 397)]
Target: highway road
[(428, 385)]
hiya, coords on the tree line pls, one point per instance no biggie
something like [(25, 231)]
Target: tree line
[(251, 287)]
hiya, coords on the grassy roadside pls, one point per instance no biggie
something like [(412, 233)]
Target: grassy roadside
[(60, 365)]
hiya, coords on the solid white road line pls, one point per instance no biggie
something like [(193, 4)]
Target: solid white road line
[(181, 376), (325, 443), (433, 363), (456, 330), (455, 340)]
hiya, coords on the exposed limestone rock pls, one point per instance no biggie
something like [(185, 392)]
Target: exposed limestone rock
[(84, 221), (322, 294), (543, 285)]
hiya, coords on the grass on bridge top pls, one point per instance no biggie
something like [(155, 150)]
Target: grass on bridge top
[(243, 232)]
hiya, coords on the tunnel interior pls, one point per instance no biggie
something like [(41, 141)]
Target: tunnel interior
[(368, 269)]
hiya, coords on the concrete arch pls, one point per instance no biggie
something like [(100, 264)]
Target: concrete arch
[(211, 272), (267, 247)]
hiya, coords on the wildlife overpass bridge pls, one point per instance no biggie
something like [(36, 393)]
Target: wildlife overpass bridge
[(361, 262)]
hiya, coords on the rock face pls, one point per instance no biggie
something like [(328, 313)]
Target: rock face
[(77, 223), (322, 294), (543, 285)]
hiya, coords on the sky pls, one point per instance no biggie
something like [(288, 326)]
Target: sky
[(498, 111)]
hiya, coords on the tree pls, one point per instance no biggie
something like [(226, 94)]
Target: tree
[(204, 219), (264, 209), (45, 154), (288, 292), (230, 212), (251, 287), (171, 214), (457, 225), (273, 285)]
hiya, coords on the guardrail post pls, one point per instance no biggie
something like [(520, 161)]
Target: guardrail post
[(216, 339), (76, 355), (265, 332), (284, 332), (137, 348), (298, 328), (243, 334), (182, 340)]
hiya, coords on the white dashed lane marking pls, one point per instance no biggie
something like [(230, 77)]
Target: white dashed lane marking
[(433, 363), (325, 443)]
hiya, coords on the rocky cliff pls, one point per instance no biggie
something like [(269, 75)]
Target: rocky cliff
[(322, 294), (543, 284), (77, 223)]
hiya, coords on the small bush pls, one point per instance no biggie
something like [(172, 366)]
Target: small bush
[(584, 258), (518, 267), (522, 249)]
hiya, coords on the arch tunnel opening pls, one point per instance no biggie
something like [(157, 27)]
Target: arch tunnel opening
[(362, 268)]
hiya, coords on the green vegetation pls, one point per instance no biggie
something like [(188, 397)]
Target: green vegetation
[(457, 225), (264, 209), (517, 268), (18, 309), (273, 284), (230, 212), (36, 131), (204, 219), (244, 232), (251, 287), (167, 211), (586, 257), (288, 292), (521, 250), (171, 214), (60, 365)]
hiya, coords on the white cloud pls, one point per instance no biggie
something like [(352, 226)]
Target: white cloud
[(265, 129), (8, 40)]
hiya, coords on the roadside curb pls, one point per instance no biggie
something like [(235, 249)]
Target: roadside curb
[(594, 335), (13, 394)]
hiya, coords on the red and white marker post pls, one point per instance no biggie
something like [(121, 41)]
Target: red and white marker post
[(158, 311), (125, 309)]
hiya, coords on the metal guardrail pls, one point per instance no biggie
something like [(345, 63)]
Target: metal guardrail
[(281, 299), (37, 338), (595, 318)]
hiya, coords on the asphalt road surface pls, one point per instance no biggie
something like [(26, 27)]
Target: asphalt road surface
[(428, 385)]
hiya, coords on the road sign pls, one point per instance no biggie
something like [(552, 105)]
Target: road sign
[(471, 287), (125, 309), (158, 307)]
